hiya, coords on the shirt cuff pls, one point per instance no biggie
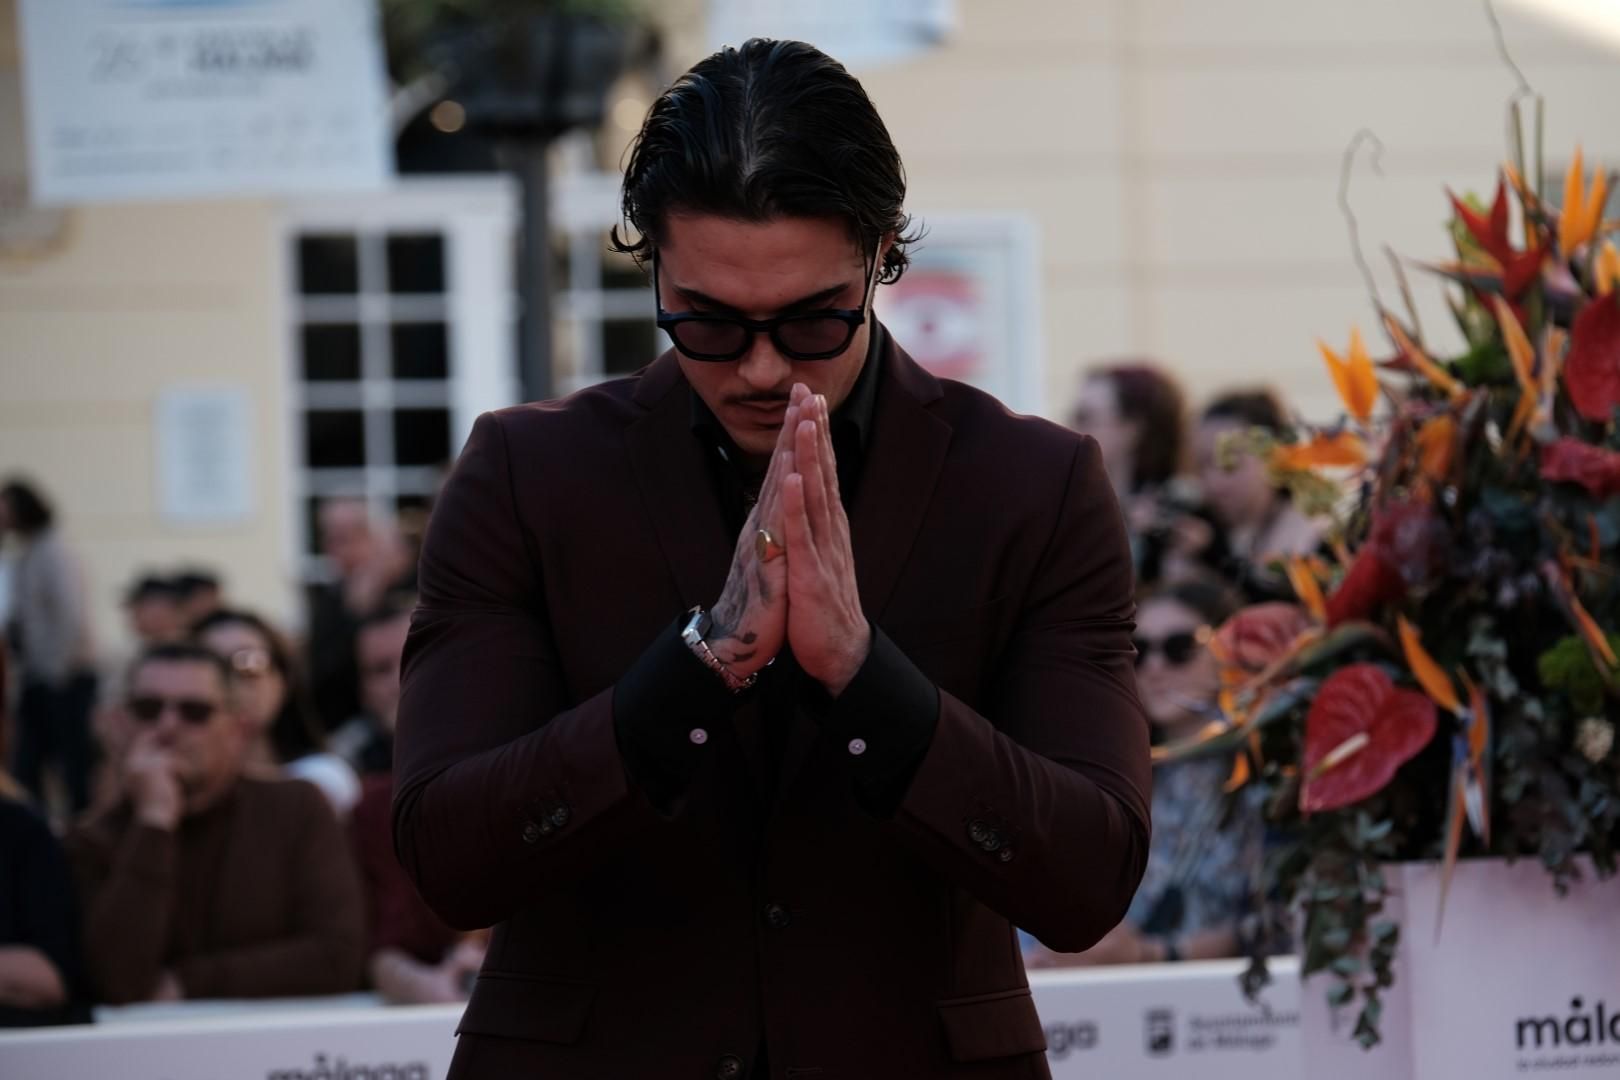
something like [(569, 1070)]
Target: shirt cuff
[(885, 719), (663, 708)]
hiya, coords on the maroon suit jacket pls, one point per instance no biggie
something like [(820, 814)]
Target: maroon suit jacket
[(631, 942)]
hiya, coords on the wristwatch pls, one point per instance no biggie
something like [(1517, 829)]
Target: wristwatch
[(697, 628)]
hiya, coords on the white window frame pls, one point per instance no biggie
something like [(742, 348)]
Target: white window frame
[(478, 218)]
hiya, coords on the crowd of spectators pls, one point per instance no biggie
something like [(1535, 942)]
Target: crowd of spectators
[(221, 795), (186, 820)]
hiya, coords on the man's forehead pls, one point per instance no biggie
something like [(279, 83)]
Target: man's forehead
[(783, 258)]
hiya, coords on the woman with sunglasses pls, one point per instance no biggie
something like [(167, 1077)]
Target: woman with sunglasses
[(282, 733), (1199, 873)]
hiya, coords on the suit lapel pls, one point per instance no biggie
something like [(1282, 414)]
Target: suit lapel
[(673, 477), (902, 467)]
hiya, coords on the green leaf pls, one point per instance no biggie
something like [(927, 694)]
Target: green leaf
[(1487, 362), (1337, 939), (1384, 930), (1340, 993), (1347, 965)]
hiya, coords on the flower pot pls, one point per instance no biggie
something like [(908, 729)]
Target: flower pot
[(1518, 980)]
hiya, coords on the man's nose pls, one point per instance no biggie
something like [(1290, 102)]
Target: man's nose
[(762, 367)]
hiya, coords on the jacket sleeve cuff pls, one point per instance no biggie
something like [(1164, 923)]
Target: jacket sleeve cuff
[(662, 710), (885, 719)]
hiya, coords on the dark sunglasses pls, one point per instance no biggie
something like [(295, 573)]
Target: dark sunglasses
[(149, 710), (808, 335), (1177, 648)]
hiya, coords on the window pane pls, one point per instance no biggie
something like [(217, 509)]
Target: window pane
[(416, 263), (421, 436), (328, 264), (334, 438), (628, 345), (421, 351), (331, 352)]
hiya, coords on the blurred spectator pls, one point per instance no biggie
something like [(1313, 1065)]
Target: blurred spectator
[(1137, 414), (281, 733), (367, 741), (414, 957), (49, 630), (1200, 874), (370, 561), (205, 882), (153, 606), (1258, 522), (39, 925), (200, 594)]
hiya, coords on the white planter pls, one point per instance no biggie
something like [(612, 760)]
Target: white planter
[(1520, 981)]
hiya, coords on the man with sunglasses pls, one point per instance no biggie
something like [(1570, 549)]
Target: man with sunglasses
[(755, 698), (203, 882)]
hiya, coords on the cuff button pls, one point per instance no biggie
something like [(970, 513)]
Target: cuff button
[(857, 747), (698, 736)]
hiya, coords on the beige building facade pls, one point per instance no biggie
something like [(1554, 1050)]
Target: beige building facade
[(1178, 162)]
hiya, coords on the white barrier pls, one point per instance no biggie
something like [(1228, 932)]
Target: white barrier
[(1173, 1020)]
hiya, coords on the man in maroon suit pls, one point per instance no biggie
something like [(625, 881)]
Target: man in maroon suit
[(756, 698)]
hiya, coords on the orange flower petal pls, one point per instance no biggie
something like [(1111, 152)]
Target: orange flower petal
[(1518, 345), (1594, 635), (1307, 588), (1594, 205), (1608, 268), (1431, 370), (1437, 440), (1240, 773), (1324, 451), (1354, 377), (1570, 215), (1429, 675)]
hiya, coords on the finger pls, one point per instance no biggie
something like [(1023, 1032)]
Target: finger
[(808, 460), (774, 472), (801, 550), (829, 457)]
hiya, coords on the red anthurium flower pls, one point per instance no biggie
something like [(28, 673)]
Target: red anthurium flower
[(1361, 728), (1256, 636), (1575, 462), (1371, 583), (1592, 369), (1406, 543)]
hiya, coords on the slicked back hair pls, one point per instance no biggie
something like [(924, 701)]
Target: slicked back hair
[(765, 130)]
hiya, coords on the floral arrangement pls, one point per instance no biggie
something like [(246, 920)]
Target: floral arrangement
[(1447, 684)]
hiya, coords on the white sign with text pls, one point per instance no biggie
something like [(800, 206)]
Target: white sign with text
[(169, 99), (1176, 1020)]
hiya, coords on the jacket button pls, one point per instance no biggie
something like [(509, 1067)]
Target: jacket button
[(698, 736), (728, 1068), (777, 917), (857, 747), (1006, 854), (531, 833), (978, 831), (991, 842), (560, 816)]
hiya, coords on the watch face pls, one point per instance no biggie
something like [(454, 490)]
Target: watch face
[(697, 627)]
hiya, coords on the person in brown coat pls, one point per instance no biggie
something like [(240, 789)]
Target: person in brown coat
[(203, 882), (756, 698)]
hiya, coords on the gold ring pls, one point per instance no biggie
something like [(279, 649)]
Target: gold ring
[(765, 546)]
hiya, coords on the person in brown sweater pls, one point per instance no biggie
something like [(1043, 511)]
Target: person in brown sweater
[(203, 882)]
